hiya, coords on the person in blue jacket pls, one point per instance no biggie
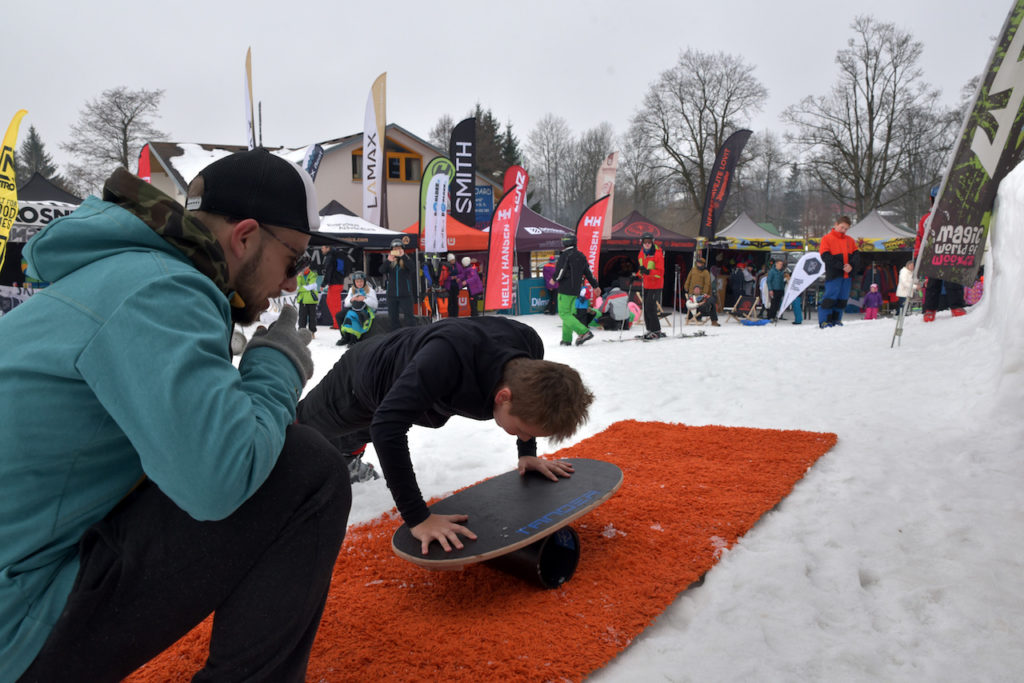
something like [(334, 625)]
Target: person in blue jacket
[(160, 483)]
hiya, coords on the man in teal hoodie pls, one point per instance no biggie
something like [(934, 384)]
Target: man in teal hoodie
[(145, 481)]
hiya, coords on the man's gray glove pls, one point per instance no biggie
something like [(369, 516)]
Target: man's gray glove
[(293, 343)]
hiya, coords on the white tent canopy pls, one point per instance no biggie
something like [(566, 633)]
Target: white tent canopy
[(875, 227)]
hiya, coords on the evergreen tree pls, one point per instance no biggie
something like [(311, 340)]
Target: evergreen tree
[(489, 159), (33, 158), (510, 150)]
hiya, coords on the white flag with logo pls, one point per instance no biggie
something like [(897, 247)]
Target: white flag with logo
[(807, 270), (435, 218)]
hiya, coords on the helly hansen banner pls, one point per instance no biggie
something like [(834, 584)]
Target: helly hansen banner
[(502, 243), (718, 184), (589, 230)]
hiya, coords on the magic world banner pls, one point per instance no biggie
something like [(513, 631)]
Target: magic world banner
[(989, 146)]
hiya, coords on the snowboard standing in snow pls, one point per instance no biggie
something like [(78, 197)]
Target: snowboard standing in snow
[(521, 522)]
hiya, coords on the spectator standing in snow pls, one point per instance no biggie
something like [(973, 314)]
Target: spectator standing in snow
[(470, 279), (906, 286), (570, 270), (652, 269), (551, 284), (453, 285), (933, 286), (776, 287), (397, 269), (307, 296), (839, 253), (872, 302), (176, 484)]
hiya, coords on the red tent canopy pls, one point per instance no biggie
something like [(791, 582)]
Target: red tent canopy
[(461, 237), (626, 235)]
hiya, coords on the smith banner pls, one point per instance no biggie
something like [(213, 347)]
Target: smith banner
[(989, 146), (589, 229), (501, 246), (374, 161), (718, 184), (434, 205), (462, 152), (8, 183)]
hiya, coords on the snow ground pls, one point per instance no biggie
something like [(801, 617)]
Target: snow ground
[(900, 556)]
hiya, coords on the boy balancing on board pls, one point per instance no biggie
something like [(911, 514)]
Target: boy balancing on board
[(480, 368)]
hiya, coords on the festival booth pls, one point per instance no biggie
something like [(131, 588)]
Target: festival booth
[(39, 202), (619, 251), (744, 241), (884, 248), (461, 238)]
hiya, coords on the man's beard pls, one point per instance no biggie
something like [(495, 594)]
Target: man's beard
[(246, 287)]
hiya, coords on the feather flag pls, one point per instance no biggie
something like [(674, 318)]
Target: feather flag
[(502, 241), (434, 204), (374, 159), (718, 184), (605, 185), (8, 183), (250, 122)]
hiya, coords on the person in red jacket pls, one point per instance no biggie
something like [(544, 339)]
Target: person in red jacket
[(652, 270), (839, 252), (933, 287)]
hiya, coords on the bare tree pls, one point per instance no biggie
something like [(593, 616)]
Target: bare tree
[(761, 186), (441, 134), (585, 157), (639, 185), (110, 132), (689, 112), (857, 139), (547, 150)]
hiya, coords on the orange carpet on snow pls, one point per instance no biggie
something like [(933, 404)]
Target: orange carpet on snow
[(688, 493)]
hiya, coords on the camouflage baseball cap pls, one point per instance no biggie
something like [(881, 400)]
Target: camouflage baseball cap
[(260, 185)]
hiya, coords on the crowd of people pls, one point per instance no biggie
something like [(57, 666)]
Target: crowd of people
[(184, 482)]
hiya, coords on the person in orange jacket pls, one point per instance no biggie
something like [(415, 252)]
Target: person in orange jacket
[(652, 270), (840, 255)]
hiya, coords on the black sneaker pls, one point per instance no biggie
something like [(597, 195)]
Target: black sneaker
[(585, 338), (564, 343), (653, 335)]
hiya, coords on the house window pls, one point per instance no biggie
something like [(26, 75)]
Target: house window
[(403, 166)]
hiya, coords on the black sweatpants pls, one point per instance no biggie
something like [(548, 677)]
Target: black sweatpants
[(307, 317), (149, 573), (403, 305), (651, 299)]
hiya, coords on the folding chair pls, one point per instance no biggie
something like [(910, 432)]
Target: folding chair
[(745, 308)]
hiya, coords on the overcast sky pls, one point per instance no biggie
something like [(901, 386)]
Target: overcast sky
[(314, 60)]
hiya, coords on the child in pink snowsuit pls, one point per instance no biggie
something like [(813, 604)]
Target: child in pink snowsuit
[(872, 302)]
